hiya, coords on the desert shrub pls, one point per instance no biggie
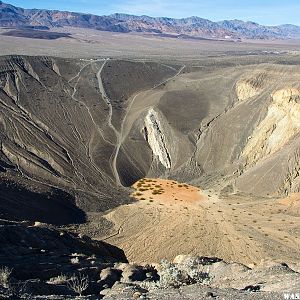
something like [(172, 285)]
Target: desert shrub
[(60, 279), (176, 275), (170, 275), (5, 273), (193, 268), (74, 260), (78, 254), (14, 289), (78, 283)]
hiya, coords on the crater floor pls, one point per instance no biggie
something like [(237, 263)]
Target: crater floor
[(171, 218), (164, 190)]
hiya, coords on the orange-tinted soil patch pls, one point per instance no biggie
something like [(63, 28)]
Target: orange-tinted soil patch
[(293, 200), (166, 190)]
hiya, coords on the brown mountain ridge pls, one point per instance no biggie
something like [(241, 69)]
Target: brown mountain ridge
[(11, 16)]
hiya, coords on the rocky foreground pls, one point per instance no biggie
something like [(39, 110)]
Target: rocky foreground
[(41, 262)]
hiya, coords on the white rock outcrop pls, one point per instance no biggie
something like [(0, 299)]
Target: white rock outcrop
[(156, 138), (251, 85), (281, 123), (246, 90)]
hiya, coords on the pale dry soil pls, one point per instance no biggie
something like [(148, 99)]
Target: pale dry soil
[(172, 218)]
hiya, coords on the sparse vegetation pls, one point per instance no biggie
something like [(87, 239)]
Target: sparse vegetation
[(60, 279), (78, 283), (5, 274), (176, 275), (74, 260), (171, 275)]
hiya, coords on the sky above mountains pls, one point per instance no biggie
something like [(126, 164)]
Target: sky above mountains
[(266, 12)]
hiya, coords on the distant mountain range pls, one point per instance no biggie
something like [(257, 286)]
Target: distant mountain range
[(195, 27)]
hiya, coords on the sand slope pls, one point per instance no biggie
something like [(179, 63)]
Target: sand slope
[(236, 229)]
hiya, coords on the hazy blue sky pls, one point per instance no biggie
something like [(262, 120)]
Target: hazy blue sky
[(269, 12)]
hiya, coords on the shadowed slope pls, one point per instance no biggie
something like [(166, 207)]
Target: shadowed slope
[(55, 207), (59, 130)]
